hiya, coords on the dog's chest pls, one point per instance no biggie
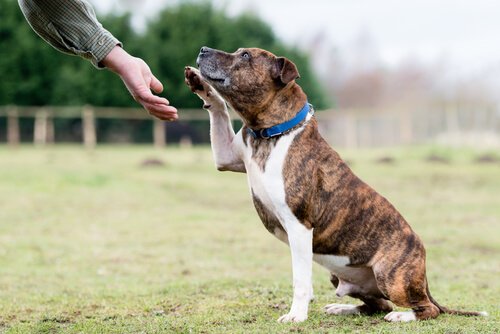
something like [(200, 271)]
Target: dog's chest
[(264, 165)]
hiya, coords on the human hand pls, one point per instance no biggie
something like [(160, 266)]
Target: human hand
[(139, 80)]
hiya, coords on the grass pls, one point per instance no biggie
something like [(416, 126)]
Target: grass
[(91, 242)]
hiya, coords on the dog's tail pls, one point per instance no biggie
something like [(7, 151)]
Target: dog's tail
[(446, 310)]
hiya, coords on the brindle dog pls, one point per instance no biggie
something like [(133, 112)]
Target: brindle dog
[(306, 195)]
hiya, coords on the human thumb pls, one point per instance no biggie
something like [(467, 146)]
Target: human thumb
[(156, 85)]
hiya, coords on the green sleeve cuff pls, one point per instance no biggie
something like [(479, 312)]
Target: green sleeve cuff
[(99, 46)]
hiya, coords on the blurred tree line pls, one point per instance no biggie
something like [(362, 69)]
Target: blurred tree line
[(35, 74)]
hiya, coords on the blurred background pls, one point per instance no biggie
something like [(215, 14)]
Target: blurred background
[(113, 222), (383, 73)]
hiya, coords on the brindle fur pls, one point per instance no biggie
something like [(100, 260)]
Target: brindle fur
[(349, 218), (249, 93), (261, 149)]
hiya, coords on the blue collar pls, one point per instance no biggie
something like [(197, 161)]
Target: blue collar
[(283, 127)]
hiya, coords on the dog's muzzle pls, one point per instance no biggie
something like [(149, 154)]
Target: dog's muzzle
[(209, 66), (205, 51)]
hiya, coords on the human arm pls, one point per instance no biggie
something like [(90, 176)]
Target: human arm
[(72, 27)]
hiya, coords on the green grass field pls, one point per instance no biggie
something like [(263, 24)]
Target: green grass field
[(91, 242)]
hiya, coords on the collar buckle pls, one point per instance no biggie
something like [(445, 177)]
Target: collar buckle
[(262, 134)]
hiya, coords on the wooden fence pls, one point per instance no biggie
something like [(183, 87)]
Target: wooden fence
[(44, 121), (479, 125), (455, 125)]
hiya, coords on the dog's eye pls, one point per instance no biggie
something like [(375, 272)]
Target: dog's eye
[(245, 55)]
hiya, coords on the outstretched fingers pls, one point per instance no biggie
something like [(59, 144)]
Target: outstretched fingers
[(156, 85)]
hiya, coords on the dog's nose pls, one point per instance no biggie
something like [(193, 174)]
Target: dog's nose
[(204, 50)]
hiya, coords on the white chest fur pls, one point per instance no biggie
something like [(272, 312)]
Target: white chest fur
[(268, 186)]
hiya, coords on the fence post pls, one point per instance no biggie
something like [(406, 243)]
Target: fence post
[(89, 132), (159, 133), (351, 131), (50, 129), (405, 127), (13, 136), (40, 134), (452, 124)]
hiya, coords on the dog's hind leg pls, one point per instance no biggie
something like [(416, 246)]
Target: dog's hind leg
[(405, 284), (372, 304)]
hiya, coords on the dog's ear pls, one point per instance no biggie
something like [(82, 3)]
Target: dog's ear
[(285, 71)]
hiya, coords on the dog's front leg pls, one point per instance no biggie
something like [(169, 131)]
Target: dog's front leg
[(300, 241), (221, 130), (222, 141)]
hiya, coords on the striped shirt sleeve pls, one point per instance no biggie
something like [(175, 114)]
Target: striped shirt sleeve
[(70, 26)]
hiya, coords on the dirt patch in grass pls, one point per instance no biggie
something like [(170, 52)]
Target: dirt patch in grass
[(386, 160), (487, 159), (152, 162), (59, 320), (484, 249), (434, 158)]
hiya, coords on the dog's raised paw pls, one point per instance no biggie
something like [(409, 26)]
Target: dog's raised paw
[(192, 79), (400, 316), (342, 309), (211, 99)]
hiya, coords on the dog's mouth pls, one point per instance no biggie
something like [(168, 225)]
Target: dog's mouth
[(215, 78)]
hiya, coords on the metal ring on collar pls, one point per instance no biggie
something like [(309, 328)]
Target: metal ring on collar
[(261, 134)]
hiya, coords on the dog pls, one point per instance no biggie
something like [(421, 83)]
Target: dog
[(305, 194)]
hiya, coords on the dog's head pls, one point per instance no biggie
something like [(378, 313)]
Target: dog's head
[(247, 78)]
